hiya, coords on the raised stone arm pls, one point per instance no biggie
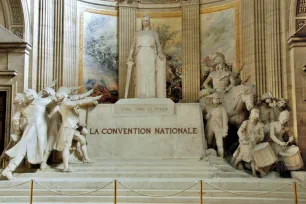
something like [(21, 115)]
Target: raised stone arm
[(83, 102), (81, 96)]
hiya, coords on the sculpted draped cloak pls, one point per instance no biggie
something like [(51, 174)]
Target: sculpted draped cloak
[(150, 73), (33, 142)]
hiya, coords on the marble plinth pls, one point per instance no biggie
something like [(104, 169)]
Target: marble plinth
[(142, 128)]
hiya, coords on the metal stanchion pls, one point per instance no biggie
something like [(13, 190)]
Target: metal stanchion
[(295, 193), (201, 192), (115, 191), (31, 192)]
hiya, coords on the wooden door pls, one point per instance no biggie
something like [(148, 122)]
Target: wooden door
[(2, 119)]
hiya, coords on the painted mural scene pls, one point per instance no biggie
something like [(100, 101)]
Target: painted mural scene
[(153, 101), (100, 56)]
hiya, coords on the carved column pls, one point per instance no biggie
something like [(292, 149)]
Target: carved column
[(127, 29), (253, 43), (191, 50), (45, 44), (273, 46), (64, 67)]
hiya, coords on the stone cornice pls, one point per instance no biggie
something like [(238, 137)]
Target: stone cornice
[(295, 41), (8, 73)]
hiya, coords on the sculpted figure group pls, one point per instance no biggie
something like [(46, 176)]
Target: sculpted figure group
[(44, 122), (264, 139)]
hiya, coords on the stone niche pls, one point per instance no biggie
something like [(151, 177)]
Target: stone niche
[(145, 128)]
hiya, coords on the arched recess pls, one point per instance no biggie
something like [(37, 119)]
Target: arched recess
[(17, 17)]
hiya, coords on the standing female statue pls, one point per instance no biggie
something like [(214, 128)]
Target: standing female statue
[(150, 73)]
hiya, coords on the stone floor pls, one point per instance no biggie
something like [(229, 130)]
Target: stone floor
[(153, 177)]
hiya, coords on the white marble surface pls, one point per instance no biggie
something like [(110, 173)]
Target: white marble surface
[(130, 142)]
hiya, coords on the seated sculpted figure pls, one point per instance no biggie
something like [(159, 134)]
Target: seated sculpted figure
[(222, 79), (69, 110), (33, 141), (278, 129), (250, 133), (150, 74), (217, 123)]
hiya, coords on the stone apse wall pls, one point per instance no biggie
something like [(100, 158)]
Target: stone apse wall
[(253, 32), (189, 31)]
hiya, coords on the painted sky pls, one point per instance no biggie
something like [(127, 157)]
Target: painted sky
[(218, 34)]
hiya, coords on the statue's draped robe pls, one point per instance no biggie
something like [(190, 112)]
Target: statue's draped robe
[(150, 73), (34, 138)]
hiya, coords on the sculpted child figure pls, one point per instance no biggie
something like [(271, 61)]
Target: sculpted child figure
[(69, 110), (250, 133), (217, 123)]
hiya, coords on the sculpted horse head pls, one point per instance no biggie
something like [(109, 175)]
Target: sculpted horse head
[(237, 102)]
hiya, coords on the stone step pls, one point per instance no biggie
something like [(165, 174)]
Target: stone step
[(126, 192), (141, 199), (199, 175), (247, 184)]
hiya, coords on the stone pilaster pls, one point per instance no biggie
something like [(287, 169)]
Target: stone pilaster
[(191, 50), (273, 47), (64, 67), (127, 29), (253, 43), (45, 44)]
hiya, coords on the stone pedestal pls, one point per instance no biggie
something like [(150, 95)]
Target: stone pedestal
[(145, 128)]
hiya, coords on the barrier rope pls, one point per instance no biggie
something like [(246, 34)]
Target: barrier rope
[(15, 185), (300, 184), (68, 194), (251, 194), (158, 196)]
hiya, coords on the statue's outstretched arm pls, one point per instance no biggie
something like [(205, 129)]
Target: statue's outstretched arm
[(81, 96), (82, 102)]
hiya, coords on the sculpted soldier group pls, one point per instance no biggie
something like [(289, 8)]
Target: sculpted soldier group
[(264, 138), (36, 132)]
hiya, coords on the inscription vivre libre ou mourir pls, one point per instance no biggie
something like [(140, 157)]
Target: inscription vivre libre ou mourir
[(143, 131)]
